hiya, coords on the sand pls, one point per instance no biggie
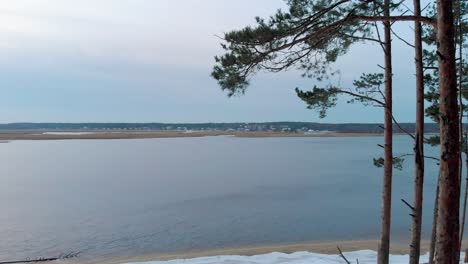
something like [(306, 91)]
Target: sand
[(325, 247)]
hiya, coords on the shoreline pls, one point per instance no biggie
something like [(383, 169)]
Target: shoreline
[(148, 134), (323, 247)]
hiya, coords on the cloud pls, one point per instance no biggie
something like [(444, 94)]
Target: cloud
[(140, 31), (150, 60)]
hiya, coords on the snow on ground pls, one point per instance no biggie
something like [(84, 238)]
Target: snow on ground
[(364, 257), (67, 133)]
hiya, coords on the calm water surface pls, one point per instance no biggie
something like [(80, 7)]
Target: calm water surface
[(129, 197)]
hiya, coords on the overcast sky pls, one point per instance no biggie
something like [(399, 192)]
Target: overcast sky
[(150, 61)]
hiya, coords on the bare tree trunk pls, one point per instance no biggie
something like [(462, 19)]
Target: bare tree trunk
[(464, 210), (434, 226), (460, 100), (415, 245), (447, 243), (466, 256), (384, 246)]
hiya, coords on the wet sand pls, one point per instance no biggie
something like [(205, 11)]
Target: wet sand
[(136, 134), (326, 247)]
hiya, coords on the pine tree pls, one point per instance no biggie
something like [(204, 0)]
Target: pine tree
[(310, 36), (447, 234), (415, 245)]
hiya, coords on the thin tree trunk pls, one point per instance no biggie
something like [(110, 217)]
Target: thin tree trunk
[(464, 209), (460, 100), (447, 243), (415, 246), (466, 256), (384, 246), (434, 226)]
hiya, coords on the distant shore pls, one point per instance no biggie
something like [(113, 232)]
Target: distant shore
[(8, 135), (325, 247)]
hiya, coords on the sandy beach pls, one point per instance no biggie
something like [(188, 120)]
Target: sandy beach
[(325, 247), (9, 135)]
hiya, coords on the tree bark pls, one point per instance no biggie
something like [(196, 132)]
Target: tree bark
[(447, 243), (415, 246), (434, 226), (464, 209), (466, 256), (384, 246), (460, 101)]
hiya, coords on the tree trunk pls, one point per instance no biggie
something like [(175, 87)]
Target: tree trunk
[(415, 246), (460, 101), (466, 256), (434, 226), (447, 243), (384, 246), (464, 209)]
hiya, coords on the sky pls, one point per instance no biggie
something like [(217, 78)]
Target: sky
[(150, 61)]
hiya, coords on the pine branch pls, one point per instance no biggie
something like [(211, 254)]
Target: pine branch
[(407, 204), (363, 97), (402, 39), (343, 256), (401, 128), (422, 19)]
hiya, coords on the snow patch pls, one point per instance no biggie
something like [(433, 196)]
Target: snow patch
[(68, 133), (364, 257)]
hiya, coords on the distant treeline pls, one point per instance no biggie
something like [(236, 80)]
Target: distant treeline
[(266, 126)]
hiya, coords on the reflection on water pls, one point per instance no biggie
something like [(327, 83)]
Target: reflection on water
[(110, 197)]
